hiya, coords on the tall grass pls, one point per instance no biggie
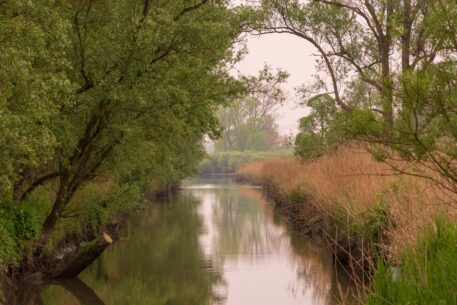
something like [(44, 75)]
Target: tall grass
[(427, 273), (360, 206)]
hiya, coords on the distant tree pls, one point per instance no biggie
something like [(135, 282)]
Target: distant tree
[(248, 123)]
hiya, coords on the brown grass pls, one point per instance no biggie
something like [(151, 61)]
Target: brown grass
[(346, 185)]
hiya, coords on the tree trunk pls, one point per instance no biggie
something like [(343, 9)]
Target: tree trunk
[(387, 88), (83, 256), (406, 36), (63, 197), (387, 94)]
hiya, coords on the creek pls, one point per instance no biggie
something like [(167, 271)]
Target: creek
[(216, 242)]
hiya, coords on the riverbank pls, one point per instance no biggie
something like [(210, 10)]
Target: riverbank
[(87, 228), (358, 206), (215, 242)]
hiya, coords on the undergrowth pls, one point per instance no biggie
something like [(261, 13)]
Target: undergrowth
[(20, 226), (426, 273)]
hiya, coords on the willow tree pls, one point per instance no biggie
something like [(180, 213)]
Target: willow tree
[(124, 89), (402, 53)]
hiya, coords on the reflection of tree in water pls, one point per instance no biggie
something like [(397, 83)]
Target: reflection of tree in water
[(315, 267), (68, 292), (245, 224), (158, 262), (314, 262), (240, 224)]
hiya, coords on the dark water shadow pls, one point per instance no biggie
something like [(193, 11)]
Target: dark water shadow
[(82, 292), (32, 294)]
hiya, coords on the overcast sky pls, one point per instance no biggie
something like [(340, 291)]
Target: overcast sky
[(288, 53)]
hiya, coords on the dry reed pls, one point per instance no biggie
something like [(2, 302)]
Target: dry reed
[(343, 187)]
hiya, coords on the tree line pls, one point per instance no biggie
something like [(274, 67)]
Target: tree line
[(248, 123)]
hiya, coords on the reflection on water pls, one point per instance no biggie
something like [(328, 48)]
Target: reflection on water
[(216, 243)]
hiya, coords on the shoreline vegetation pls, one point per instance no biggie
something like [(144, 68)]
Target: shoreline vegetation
[(227, 162), (102, 103), (75, 245), (377, 223)]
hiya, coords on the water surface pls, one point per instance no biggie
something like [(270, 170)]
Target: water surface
[(217, 242)]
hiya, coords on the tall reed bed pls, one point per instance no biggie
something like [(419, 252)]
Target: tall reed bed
[(363, 210)]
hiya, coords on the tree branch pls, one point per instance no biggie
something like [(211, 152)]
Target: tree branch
[(37, 183), (189, 9), (87, 82)]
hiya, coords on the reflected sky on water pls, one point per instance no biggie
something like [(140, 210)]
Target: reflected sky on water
[(217, 242)]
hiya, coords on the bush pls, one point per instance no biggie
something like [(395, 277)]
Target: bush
[(20, 226), (230, 161)]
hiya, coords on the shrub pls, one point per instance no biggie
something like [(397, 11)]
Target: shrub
[(20, 226), (230, 161)]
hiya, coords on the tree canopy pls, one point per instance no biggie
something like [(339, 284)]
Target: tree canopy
[(389, 67), (122, 91)]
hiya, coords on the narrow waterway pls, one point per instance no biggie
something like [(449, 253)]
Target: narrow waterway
[(217, 242)]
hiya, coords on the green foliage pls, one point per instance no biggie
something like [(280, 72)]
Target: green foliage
[(376, 221), (34, 85), (361, 123), (248, 122), (427, 123), (368, 225), (230, 161), (427, 273), (8, 249), (298, 196), (308, 147), (20, 226), (318, 132), (109, 95)]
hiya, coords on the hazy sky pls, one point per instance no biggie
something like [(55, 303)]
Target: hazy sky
[(288, 53)]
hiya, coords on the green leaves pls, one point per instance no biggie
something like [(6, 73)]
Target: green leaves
[(34, 85), (123, 90), (317, 130), (104, 74)]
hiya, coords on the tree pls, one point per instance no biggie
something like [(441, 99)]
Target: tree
[(400, 53), (359, 39), (30, 57), (248, 122), (102, 88), (317, 130)]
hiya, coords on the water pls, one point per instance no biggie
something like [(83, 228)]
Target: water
[(216, 243)]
